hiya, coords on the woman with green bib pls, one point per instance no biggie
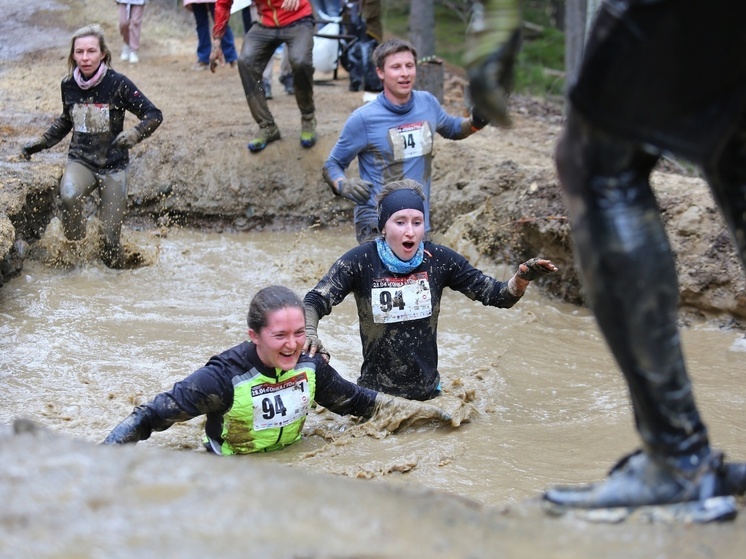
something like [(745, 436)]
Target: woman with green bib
[(257, 395)]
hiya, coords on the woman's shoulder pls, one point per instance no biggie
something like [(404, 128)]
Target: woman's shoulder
[(360, 251), (437, 251)]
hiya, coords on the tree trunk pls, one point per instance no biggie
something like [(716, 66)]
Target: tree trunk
[(575, 32), (559, 19), (422, 27)]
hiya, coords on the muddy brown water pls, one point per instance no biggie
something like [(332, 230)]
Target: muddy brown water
[(80, 346)]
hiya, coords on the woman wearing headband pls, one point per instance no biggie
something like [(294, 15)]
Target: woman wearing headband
[(398, 280)]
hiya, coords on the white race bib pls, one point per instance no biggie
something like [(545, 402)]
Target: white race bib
[(411, 140), (401, 299), (91, 118), (280, 404)]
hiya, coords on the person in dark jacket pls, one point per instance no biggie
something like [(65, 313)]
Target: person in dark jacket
[(257, 395), (397, 281), (95, 100), (657, 77)]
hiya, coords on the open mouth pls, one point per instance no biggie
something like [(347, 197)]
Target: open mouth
[(409, 245)]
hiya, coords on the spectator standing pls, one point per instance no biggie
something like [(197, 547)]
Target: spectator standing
[(130, 24), (202, 11)]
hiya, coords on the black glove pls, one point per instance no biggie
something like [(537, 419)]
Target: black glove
[(32, 147), (536, 270), (126, 139), (477, 120), (135, 427), (356, 190), (491, 79)]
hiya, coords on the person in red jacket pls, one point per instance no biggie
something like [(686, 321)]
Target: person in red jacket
[(279, 21)]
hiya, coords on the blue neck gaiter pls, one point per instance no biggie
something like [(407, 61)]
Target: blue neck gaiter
[(393, 263)]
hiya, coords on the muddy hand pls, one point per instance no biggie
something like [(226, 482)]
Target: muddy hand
[(133, 428), (216, 56), (394, 412), (126, 139), (355, 190), (493, 45), (313, 346), (535, 268), (32, 147)]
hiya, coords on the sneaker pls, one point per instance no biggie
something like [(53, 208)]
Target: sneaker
[(125, 53), (200, 66), (266, 135), (267, 87), (308, 131), (134, 59), (638, 480)]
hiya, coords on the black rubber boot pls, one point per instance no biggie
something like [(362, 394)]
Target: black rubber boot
[(640, 481), (112, 255)]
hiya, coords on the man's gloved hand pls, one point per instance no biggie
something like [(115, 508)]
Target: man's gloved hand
[(493, 42), (32, 147), (135, 427), (535, 268), (395, 412), (477, 120), (126, 139), (356, 190)]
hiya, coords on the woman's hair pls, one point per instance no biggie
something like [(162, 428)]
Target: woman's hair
[(393, 186), (392, 46), (92, 30), (268, 300)]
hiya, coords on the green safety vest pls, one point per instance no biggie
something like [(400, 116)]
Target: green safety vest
[(267, 413)]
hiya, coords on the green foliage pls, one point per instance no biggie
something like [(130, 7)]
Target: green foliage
[(541, 63)]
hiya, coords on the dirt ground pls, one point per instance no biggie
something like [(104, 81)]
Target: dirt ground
[(495, 194)]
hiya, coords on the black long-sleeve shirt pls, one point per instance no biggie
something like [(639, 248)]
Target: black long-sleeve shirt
[(398, 313), (96, 117)]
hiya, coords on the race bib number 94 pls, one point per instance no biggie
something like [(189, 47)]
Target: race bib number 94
[(91, 118), (401, 299), (280, 404), (411, 140)]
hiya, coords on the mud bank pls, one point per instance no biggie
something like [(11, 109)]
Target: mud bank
[(66, 498), (495, 194)]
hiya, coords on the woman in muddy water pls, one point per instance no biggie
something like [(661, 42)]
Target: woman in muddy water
[(398, 280), (257, 395), (95, 100)]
